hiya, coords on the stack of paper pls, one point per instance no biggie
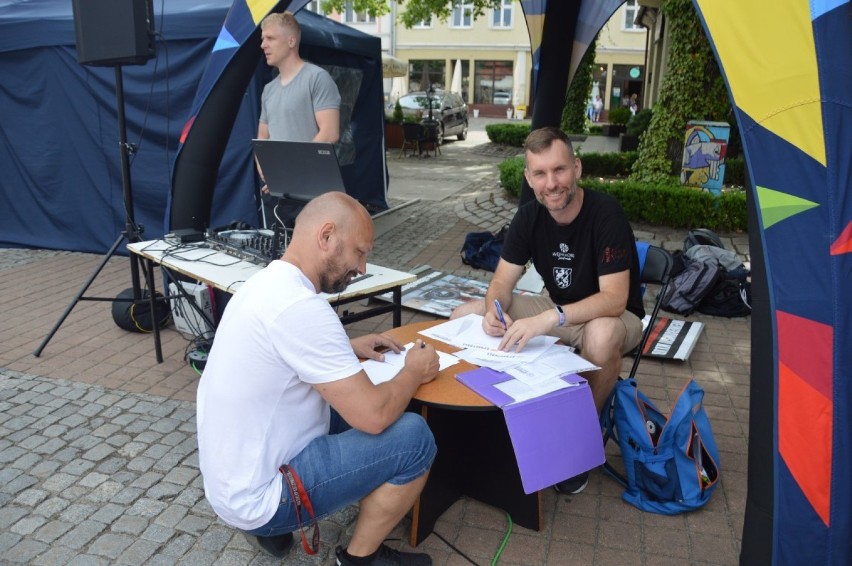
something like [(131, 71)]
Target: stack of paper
[(532, 372)]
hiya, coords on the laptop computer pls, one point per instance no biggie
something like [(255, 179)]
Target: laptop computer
[(298, 170)]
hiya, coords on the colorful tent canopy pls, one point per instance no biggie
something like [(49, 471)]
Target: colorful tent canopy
[(790, 81)]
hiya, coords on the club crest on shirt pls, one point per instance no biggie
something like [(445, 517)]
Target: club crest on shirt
[(562, 276)]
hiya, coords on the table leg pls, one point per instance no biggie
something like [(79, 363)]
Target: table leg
[(397, 306), (152, 304), (475, 458)]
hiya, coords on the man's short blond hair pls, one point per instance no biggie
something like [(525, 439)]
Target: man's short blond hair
[(286, 20)]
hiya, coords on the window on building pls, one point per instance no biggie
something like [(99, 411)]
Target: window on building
[(630, 8), (502, 17), (314, 6), (462, 14), (423, 24), (493, 82), (423, 73), (353, 17)]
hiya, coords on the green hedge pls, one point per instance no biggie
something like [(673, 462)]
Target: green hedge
[(662, 205), (508, 134), (608, 164), (735, 171)]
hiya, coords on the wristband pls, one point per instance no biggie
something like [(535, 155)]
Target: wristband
[(561, 315)]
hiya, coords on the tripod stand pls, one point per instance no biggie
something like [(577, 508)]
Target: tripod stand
[(132, 233)]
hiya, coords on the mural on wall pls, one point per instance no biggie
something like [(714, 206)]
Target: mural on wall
[(704, 152)]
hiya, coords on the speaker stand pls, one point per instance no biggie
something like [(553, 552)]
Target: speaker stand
[(132, 233)]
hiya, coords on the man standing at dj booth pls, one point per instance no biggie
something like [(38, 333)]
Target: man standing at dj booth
[(303, 102)]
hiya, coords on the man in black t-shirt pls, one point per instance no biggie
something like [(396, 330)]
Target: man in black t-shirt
[(583, 246)]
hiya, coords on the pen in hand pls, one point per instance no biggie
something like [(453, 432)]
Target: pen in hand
[(422, 344), (500, 314)]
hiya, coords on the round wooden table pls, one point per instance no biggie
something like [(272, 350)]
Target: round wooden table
[(475, 454), (445, 391)]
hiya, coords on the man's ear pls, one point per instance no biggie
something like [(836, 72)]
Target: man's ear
[(324, 235)]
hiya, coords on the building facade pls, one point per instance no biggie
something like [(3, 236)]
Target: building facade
[(620, 63), (488, 59)]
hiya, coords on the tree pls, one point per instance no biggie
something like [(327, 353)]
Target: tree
[(577, 97), (413, 11), (692, 89)]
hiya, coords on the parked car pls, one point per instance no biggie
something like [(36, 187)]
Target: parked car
[(448, 109), (501, 97)]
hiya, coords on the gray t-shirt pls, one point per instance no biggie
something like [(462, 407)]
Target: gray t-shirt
[(288, 111)]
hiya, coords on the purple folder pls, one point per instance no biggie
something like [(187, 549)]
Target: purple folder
[(555, 437)]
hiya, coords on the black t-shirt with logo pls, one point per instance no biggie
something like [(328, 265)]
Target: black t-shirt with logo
[(571, 258)]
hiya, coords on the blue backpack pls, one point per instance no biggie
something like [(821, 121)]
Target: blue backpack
[(671, 464), (481, 250)]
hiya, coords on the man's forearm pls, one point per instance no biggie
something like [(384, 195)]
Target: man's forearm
[(594, 306)]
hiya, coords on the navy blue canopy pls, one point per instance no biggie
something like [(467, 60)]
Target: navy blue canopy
[(60, 165)]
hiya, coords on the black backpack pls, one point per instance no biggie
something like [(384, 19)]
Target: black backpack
[(730, 297), (702, 236)]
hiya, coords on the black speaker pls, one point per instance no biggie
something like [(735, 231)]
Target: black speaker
[(114, 32)]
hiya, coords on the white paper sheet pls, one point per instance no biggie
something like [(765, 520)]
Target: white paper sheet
[(520, 391), (379, 372), (556, 361), (480, 348)]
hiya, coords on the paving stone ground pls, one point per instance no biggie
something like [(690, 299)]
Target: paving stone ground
[(98, 454)]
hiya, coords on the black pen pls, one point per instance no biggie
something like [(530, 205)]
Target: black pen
[(422, 344)]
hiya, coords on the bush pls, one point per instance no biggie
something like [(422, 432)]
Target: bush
[(735, 171), (512, 175), (595, 130), (397, 116), (663, 204), (508, 134), (676, 206), (608, 164), (619, 116), (639, 123)]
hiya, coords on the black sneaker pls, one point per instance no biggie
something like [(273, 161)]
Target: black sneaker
[(277, 546), (387, 556), (573, 485)]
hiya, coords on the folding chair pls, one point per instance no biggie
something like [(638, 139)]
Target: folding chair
[(412, 134), (655, 265)]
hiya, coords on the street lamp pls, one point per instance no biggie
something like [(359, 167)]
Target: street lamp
[(429, 94)]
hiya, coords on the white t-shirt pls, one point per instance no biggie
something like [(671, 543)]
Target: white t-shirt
[(256, 406)]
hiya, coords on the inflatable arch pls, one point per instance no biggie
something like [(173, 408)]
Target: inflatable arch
[(790, 81)]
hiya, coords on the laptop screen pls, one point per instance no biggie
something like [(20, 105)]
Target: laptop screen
[(298, 170)]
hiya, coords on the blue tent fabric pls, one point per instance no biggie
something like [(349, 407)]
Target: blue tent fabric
[(61, 185)]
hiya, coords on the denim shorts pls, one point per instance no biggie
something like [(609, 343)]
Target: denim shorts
[(347, 465)]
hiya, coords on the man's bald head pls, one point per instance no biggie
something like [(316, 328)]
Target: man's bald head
[(343, 211)]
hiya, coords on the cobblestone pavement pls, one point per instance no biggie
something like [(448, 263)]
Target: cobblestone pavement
[(109, 475)]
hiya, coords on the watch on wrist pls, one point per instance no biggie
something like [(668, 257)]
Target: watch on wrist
[(561, 314)]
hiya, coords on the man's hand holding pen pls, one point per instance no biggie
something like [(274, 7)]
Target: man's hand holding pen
[(422, 360), (496, 322)]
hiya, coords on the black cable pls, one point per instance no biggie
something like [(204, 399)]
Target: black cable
[(456, 550)]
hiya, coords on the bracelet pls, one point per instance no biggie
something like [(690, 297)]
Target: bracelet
[(561, 315)]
